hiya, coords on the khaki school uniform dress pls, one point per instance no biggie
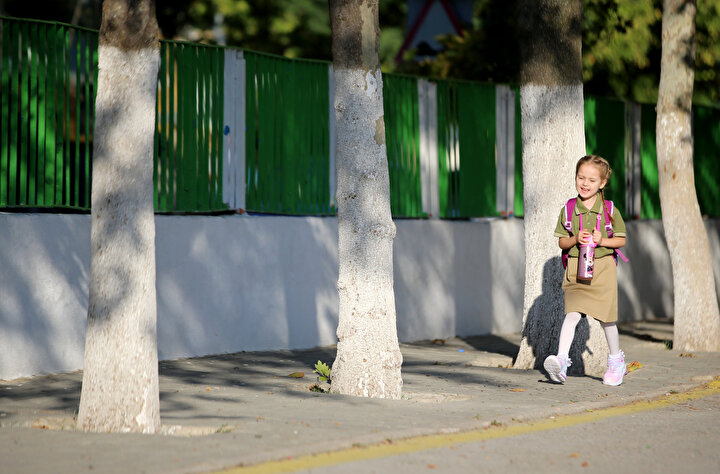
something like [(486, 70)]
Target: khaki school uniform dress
[(597, 297)]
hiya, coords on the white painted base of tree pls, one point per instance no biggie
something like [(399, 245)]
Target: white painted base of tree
[(368, 358), (553, 140), (120, 381)]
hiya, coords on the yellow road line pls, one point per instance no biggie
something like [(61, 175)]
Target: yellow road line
[(423, 443)]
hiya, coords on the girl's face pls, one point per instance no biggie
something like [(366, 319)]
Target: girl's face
[(588, 181)]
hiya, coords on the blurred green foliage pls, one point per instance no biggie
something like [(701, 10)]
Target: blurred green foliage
[(290, 28), (621, 49)]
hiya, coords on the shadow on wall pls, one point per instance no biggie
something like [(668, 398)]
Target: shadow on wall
[(713, 229), (472, 291), (251, 283), (245, 283), (507, 260), (423, 286), (458, 278), (45, 261), (645, 287)]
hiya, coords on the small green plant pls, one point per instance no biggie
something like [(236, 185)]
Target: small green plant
[(323, 372)]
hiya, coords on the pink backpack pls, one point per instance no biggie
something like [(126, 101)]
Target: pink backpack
[(607, 210)]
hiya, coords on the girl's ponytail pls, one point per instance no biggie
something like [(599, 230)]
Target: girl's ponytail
[(604, 203)]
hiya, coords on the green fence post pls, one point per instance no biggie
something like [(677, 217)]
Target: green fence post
[(650, 186)]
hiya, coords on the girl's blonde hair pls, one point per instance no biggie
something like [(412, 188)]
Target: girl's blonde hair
[(605, 172)]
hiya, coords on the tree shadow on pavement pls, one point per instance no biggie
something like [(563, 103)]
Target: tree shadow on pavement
[(659, 330), (495, 344)]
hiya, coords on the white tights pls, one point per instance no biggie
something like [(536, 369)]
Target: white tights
[(567, 334)]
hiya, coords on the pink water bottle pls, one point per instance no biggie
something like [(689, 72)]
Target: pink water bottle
[(586, 259)]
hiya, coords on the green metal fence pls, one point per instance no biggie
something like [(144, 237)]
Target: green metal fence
[(466, 149), (402, 134), (287, 138), (48, 73), (189, 124), (605, 135)]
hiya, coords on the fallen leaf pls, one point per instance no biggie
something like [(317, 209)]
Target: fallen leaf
[(207, 389), (438, 341), (297, 375), (574, 455), (516, 389), (634, 365), (687, 354), (585, 464), (431, 466)]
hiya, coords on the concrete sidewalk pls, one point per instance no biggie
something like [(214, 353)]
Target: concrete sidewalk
[(228, 410)]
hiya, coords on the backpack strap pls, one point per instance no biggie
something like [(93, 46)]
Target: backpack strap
[(569, 211), (609, 209)]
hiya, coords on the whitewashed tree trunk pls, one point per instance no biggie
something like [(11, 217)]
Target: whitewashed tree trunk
[(368, 358), (553, 139), (697, 319), (120, 381)]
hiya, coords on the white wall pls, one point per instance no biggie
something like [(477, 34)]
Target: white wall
[(232, 283)]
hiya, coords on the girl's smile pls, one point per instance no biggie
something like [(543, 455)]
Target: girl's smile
[(588, 183)]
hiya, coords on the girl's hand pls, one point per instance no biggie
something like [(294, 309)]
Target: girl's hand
[(597, 237), (583, 237)]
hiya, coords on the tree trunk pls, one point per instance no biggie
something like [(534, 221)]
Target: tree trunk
[(120, 381), (697, 320), (553, 139), (368, 355)]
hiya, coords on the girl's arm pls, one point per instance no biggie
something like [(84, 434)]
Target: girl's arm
[(568, 242), (612, 242)]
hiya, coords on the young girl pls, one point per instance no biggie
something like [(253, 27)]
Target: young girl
[(597, 297)]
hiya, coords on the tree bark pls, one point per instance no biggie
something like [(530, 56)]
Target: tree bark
[(368, 357), (553, 139), (697, 319), (120, 380)]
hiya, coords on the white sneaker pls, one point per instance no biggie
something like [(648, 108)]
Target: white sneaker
[(556, 367), (616, 370)]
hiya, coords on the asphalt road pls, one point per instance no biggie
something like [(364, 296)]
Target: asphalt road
[(678, 434)]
